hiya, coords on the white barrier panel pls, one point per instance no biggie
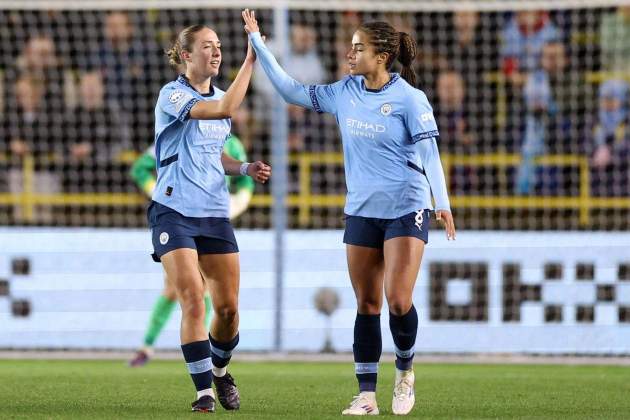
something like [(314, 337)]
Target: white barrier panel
[(502, 292)]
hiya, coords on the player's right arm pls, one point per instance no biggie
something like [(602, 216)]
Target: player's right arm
[(229, 103), (320, 98), (182, 104), (290, 89)]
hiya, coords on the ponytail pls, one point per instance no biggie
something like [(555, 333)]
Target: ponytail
[(406, 56), (397, 45)]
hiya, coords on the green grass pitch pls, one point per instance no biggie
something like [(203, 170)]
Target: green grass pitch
[(163, 390)]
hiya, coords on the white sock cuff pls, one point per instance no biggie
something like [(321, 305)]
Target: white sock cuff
[(207, 391), (219, 372)]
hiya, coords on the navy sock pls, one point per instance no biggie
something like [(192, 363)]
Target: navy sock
[(367, 349), (404, 329), (222, 352), (197, 356)]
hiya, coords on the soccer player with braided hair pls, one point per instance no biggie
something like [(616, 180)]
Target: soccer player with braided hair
[(392, 168)]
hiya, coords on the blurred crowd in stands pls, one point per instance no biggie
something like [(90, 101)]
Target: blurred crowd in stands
[(78, 90)]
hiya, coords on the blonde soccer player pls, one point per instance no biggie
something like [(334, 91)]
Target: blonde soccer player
[(191, 232)]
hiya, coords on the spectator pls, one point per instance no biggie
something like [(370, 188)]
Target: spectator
[(39, 61), (468, 49), (615, 40), (466, 42), (549, 99), (523, 39), (23, 128), (612, 140), (455, 134), (463, 42), (451, 114), (121, 60), (93, 137), (32, 132)]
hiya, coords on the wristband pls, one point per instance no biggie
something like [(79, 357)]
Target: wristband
[(243, 170)]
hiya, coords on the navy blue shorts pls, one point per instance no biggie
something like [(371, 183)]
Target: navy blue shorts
[(171, 230), (373, 232)]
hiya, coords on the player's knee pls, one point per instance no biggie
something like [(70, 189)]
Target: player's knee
[(170, 292), (192, 303), (369, 306), (194, 310), (226, 312), (399, 305)]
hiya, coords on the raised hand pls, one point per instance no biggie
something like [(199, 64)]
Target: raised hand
[(259, 171), (249, 17)]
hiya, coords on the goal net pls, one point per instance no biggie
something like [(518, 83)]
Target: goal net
[(531, 103)]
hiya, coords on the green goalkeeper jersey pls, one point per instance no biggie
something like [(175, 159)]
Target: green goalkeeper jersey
[(143, 169)]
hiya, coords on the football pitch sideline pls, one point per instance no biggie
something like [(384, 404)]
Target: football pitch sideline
[(163, 390)]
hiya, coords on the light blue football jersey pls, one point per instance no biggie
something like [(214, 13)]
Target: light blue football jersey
[(190, 176), (379, 129)]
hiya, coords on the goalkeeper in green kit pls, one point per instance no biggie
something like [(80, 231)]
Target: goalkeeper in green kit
[(241, 190)]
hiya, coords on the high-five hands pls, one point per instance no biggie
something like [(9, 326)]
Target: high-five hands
[(251, 24)]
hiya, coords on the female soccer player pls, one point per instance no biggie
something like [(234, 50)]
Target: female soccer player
[(392, 166), (188, 216), (241, 189)]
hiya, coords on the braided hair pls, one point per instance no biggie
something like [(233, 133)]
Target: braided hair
[(397, 45)]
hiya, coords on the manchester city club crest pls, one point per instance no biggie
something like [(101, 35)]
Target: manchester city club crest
[(386, 109)]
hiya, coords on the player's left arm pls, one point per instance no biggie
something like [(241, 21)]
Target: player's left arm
[(424, 132), (430, 157)]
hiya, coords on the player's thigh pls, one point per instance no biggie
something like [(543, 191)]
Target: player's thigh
[(182, 271), (403, 256), (364, 237), (365, 267), (222, 275)]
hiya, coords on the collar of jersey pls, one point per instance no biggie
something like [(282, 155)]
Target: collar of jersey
[(392, 80), (184, 81)]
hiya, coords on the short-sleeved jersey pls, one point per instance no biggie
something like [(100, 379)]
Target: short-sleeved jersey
[(191, 179), (234, 149), (379, 129)]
